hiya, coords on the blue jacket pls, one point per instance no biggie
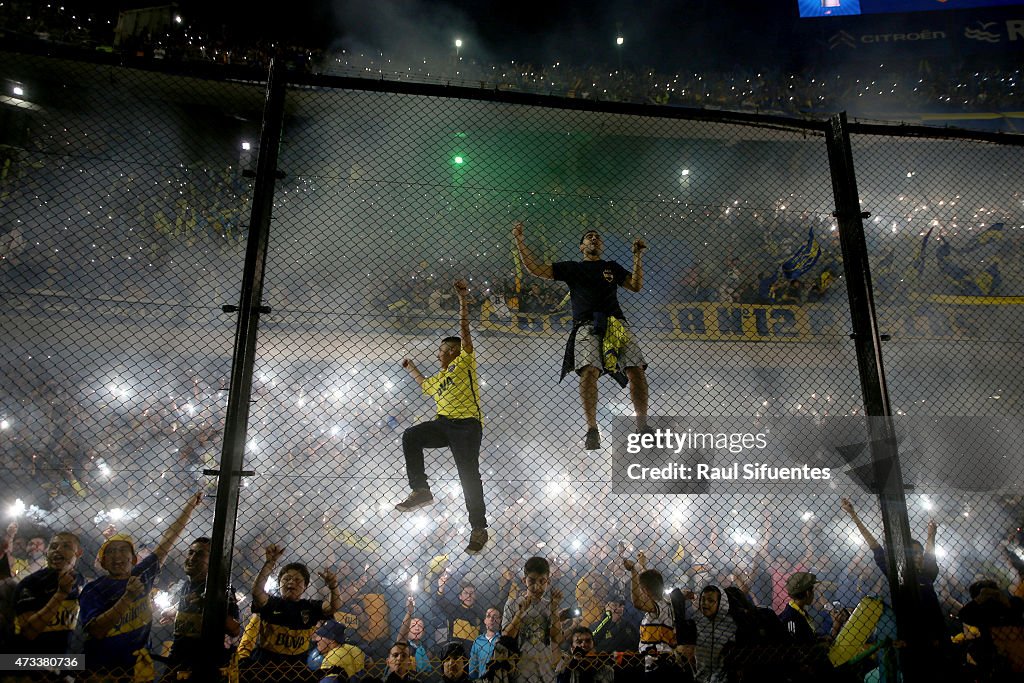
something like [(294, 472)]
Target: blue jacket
[(480, 654)]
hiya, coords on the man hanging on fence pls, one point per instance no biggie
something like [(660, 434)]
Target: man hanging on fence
[(599, 342), (458, 425)]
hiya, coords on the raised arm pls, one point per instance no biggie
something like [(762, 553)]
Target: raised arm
[(640, 598), (510, 627), (462, 289), (403, 630), (543, 270), (331, 579), (170, 536), (868, 538), (635, 281), (8, 540), (556, 625), (929, 543), (259, 586), (413, 371)]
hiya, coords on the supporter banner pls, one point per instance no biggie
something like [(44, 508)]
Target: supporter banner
[(935, 316), (716, 322), (929, 318)]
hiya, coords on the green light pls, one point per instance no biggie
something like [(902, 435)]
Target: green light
[(458, 160)]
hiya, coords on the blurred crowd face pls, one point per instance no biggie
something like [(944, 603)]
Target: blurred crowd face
[(917, 555), (324, 645), (35, 548), (197, 561), (492, 620), (344, 570), (447, 352), (416, 629), (292, 584), (468, 596), (63, 552), (709, 601), (454, 667), (536, 584), (582, 642), (616, 609), (399, 661), (592, 245), (118, 559)]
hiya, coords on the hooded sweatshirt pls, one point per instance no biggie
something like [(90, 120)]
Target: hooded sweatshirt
[(713, 633)]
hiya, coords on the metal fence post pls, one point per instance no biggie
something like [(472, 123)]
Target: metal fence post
[(249, 308), (882, 435)]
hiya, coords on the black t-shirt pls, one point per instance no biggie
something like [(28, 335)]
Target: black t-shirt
[(286, 627), (32, 594), (593, 287)]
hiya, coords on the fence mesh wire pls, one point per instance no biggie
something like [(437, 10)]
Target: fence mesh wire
[(126, 198)]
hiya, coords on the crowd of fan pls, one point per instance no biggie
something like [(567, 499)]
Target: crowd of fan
[(704, 613), (750, 279), (921, 86)]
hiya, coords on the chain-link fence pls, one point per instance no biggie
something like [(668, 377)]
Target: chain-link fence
[(724, 445)]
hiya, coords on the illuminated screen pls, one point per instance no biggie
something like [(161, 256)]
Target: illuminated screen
[(829, 8), (839, 8)]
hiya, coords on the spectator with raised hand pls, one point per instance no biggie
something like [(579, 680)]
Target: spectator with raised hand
[(35, 554), (930, 619), (458, 425), (46, 601), (10, 563), (186, 648), (534, 623), (287, 621), (599, 326), (412, 633), (116, 611), (659, 624)]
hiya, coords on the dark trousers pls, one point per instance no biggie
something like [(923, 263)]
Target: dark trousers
[(463, 436)]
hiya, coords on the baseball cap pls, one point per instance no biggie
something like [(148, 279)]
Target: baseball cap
[(333, 630), (798, 582), (120, 537)]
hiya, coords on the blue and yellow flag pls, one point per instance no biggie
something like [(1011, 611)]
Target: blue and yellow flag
[(992, 235), (980, 275), (803, 259)]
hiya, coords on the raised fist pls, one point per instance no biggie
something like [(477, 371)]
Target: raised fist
[(274, 553)]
